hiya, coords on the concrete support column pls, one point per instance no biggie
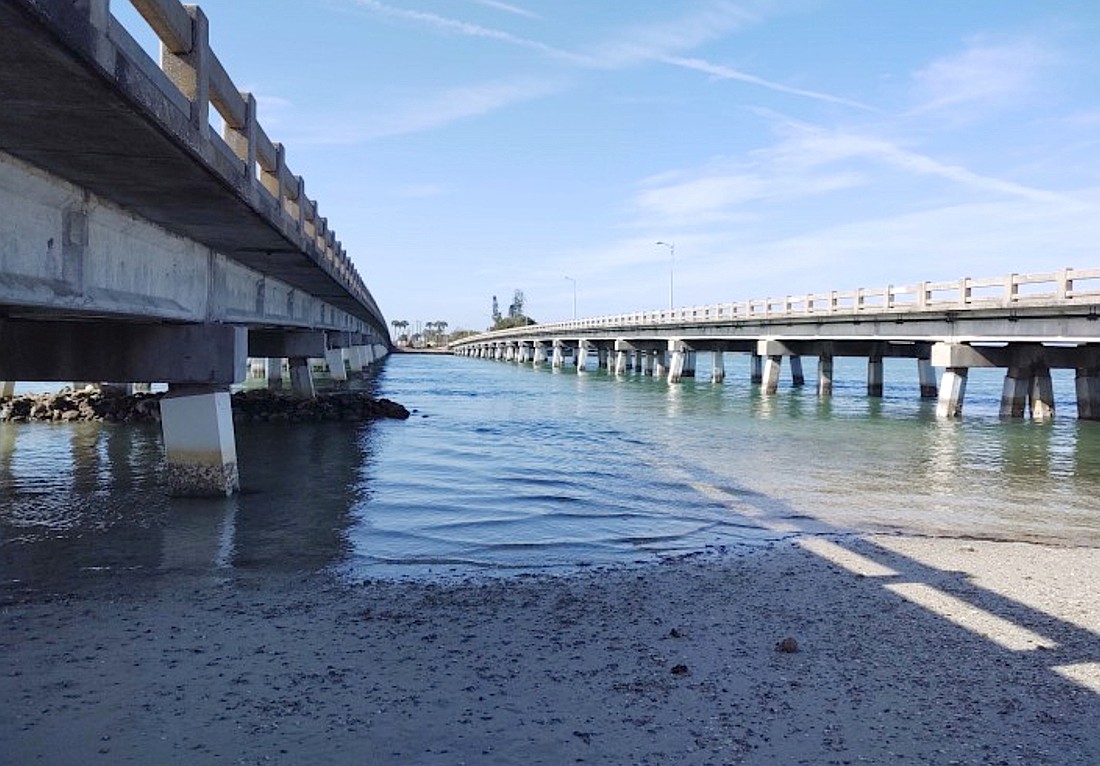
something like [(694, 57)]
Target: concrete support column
[(7, 389), (1014, 393), (952, 392), (689, 364), (354, 358), (334, 358), (874, 377), (1041, 394), (660, 364), (274, 373), (756, 369), (199, 445), (557, 361), (601, 357), (646, 360), (717, 367), (621, 362), (580, 355), (678, 357), (540, 354), (798, 378), (770, 377), (927, 374), (825, 375), (256, 368), (1088, 393), (301, 377)]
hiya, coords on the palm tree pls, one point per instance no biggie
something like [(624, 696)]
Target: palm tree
[(441, 328)]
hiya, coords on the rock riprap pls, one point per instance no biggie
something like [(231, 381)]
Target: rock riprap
[(114, 406)]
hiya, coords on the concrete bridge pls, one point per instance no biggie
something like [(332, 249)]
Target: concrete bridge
[(1024, 323), (138, 244)]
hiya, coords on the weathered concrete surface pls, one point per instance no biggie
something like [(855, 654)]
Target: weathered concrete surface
[(86, 104)]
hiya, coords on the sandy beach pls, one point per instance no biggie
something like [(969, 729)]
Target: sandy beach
[(907, 650)]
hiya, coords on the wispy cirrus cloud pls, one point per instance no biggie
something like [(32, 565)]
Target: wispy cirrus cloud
[(727, 73), (507, 8), (810, 162), (450, 25), (987, 74), (435, 111)]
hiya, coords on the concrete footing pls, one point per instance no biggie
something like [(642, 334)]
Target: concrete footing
[(199, 446)]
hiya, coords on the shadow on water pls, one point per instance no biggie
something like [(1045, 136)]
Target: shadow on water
[(86, 498)]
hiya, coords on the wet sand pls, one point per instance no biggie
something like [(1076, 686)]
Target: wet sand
[(909, 650)]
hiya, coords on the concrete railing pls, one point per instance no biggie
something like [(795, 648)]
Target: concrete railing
[(1062, 288), (194, 70)]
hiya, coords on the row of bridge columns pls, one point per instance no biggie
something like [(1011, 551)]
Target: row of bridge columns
[(197, 419), (1028, 387)]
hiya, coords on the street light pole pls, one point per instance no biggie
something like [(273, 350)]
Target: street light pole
[(574, 297), (671, 270)]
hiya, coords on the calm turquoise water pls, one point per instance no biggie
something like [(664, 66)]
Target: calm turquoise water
[(505, 468)]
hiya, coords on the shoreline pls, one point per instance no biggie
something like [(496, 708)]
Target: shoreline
[(673, 662)]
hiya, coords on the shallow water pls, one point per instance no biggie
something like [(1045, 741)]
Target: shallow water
[(505, 468)]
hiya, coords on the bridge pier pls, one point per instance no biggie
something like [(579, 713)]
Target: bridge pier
[(927, 374), (7, 389), (798, 378), (199, 445), (677, 353), (274, 373), (717, 367), (334, 360), (1014, 393), (558, 360), (1041, 394), (756, 369), (952, 392), (540, 354), (301, 377), (1088, 393), (874, 377), (580, 358), (825, 375), (660, 364), (770, 378)]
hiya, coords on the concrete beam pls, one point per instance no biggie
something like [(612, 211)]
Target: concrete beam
[(66, 351), (285, 343)]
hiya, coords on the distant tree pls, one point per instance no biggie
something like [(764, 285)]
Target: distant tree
[(441, 328), (515, 318)]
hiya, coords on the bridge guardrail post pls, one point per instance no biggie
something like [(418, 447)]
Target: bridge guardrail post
[(189, 70)]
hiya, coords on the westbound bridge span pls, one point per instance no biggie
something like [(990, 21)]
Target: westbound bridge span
[(139, 244), (1025, 323)]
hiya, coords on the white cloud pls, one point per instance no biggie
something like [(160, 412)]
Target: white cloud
[(465, 28), (508, 8), (985, 75), (432, 112), (726, 73)]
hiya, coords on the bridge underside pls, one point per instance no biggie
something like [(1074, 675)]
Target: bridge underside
[(65, 111)]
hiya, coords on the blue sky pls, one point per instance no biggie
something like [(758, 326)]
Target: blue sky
[(466, 148)]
